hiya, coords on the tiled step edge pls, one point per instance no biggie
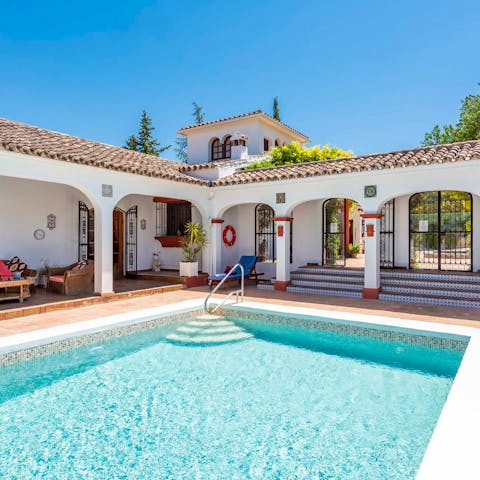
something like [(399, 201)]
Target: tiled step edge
[(327, 284), (432, 292), (324, 291), (432, 276), (331, 271), (333, 278), (450, 302)]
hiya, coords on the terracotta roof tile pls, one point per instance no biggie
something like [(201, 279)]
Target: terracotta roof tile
[(462, 151), (30, 140)]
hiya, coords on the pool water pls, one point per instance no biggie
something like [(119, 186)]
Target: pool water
[(224, 399)]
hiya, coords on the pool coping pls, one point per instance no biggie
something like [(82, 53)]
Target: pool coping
[(452, 450)]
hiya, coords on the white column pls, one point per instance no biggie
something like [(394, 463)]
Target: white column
[(372, 287), (216, 245), (282, 279), (104, 249)]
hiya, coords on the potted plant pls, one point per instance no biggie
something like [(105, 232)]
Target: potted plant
[(192, 243), (354, 249)]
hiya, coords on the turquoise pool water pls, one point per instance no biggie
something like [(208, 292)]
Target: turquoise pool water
[(229, 399)]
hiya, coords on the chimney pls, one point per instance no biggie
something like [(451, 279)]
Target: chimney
[(239, 146)]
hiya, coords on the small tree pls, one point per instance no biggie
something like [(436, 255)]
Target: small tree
[(276, 110), (198, 114), (467, 127), (193, 241), (144, 141), (181, 142)]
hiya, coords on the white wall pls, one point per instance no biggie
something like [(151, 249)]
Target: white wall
[(199, 141), (147, 245), (307, 233), (24, 206), (242, 218)]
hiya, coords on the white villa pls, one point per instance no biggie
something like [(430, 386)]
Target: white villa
[(413, 213)]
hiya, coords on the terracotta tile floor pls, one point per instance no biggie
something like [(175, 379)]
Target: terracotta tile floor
[(42, 297), (457, 316)]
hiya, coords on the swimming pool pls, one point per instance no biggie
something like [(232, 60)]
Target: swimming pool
[(235, 397)]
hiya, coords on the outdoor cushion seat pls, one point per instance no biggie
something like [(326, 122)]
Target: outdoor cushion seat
[(57, 278), (248, 263), (15, 264), (74, 279)]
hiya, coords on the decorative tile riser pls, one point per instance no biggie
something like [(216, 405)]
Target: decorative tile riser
[(263, 286), (335, 278), (431, 292), (473, 278), (422, 283), (331, 271), (343, 286), (430, 301), (331, 293)]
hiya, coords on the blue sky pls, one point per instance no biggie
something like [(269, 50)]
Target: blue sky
[(363, 75)]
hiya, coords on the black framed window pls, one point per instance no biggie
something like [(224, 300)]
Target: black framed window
[(227, 147), (178, 215), (265, 236), (86, 232), (217, 149), (387, 235), (266, 145)]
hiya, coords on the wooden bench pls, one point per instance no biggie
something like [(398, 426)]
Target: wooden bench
[(15, 289)]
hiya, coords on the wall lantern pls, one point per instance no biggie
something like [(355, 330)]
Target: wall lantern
[(51, 221), (143, 224)]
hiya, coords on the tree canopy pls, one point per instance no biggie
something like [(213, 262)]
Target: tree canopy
[(467, 127), (293, 153), (144, 141)]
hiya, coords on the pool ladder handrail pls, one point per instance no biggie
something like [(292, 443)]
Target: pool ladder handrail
[(238, 292)]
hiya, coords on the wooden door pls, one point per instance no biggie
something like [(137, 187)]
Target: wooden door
[(118, 242)]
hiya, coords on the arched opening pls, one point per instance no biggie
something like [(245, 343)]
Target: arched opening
[(440, 231), (343, 233)]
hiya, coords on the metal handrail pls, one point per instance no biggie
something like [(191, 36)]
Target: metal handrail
[(237, 292)]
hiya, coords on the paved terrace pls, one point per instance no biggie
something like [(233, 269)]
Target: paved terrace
[(447, 315)]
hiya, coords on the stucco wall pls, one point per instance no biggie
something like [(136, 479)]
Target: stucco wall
[(24, 206), (307, 233), (199, 142)]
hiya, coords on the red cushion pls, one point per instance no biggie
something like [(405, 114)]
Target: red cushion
[(5, 271), (57, 278)]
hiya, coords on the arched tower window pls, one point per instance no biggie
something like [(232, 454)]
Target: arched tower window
[(217, 150), (227, 147)]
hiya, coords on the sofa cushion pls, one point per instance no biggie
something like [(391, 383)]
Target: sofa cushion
[(16, 265), (80, 265), (5, 272), (56, 278)]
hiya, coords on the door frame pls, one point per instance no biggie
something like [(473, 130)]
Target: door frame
[(439, 232)]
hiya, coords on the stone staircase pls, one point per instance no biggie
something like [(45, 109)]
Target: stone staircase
[(208, 330), (431, 288)]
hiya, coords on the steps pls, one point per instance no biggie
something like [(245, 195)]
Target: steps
[(327, 281), (437, 288), (428, 288), (207, 330)]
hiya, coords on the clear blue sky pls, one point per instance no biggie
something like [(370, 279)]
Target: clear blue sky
[(363, 75)]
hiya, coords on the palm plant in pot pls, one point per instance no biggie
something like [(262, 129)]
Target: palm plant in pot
[(192, 243)]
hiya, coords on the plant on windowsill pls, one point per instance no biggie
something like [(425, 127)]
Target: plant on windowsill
[(354, 249), (192, 243)]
